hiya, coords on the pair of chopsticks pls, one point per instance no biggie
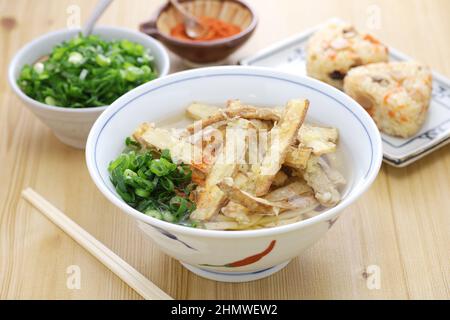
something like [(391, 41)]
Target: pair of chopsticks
[(144, 287)]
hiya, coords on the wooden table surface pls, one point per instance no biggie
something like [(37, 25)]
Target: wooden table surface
[(400, 226)]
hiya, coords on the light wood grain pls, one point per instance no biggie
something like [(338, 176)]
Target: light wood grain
[(402, 224), (120, 267)]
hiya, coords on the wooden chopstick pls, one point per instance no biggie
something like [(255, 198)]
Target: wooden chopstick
[(123, 270)]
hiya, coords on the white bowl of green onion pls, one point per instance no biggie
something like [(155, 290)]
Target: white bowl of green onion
[(68, 80)]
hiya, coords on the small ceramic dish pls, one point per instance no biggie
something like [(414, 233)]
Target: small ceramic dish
[(236, 255), (203, 52), (71, 126), (289, 55)]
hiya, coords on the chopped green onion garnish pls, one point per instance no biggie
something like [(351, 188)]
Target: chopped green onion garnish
[(88, 72), (152, 184)]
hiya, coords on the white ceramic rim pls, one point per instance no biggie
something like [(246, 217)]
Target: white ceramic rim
[(363, 117), (29, 46)]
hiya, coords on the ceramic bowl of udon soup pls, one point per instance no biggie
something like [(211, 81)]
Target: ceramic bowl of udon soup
[(246, 255)]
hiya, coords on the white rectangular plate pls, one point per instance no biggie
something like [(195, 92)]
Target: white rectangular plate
[(289, 55)]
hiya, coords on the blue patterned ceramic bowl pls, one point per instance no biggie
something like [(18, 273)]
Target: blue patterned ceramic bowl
[(236, 255)]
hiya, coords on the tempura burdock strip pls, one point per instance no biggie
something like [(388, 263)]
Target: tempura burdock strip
[(325, 191), (210, 198), (254, 204), (285, 133), (180, 150), (320, 139), (245, 112)]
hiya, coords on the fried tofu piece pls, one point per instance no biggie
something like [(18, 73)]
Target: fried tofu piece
[(320, 139), (198, 111), (285, 133), (324, 190)]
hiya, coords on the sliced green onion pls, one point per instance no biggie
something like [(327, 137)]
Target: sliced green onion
[(38, 67), (102, 60), (154, 213), (50, 101), (87, 72), (142, 193), (167, 216), (162, 167), (167, 184), (155, 187), (133, 73), (75, 58), (83, 74)]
